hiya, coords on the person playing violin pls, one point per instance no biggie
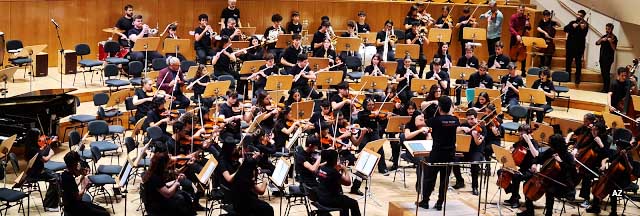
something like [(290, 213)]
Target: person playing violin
[(619, 90), (263, 141), (411, 18), (143, 99), (325, 116), (494, 26), (201, 80), (545, 84), (232, 116), (495, 131), (463, 22), (38, 172), (557, 151), (260, 78), (160, 117), (415, 129), (622, 179), (474, 127), (307, 161), (368, 120), (264, 104), (71, 195), (247, 184), (343, 102), (445, 21), (331, 176), (528, 144), (186, 133), (294, 96), (285, 126)]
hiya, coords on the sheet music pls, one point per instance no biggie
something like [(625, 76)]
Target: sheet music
[(208, 171), (280, 173), (420, 145), (124, 174), (366, 162)]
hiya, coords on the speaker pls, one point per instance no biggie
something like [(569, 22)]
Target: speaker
[(69, 63), (42, 64)]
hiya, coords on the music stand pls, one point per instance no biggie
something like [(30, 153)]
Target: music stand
[(276, 95), (533, 42), (463, 142), (248, 31), (145, 45), (422, 86), (328, 78), (419, 148), (497, 72), (534, 96), (493, 93), (418, 100), (461, 73), (236, 45), (388, 106), (368, 37), (216, 89), (439, 35), (411, 50), (396, 124), (4, 76), (118, 97), (376, 144), (634, 99), (348, 44), (375, 82), (474, 34), (302, 110), (279, 176), (5, 149), (249, 67), (284, 40), (390, 67), (176, 45), (612, 120), (504, 157), (279, 82), (543, 132), (317, 63), (367, 160), (207, 171)]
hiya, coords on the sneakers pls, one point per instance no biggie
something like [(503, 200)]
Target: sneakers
[(52, 209), (475, 192), (592, 209), (513, 203), (585, 204), (393, 168)]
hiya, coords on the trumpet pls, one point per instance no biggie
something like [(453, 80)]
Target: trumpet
[(393, 38), (150, 30), (422, 33)]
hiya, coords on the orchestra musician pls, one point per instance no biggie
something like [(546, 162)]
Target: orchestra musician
[(368, 120), (140, 30), (308, 161), (247, 183), (343, 102), (286, 125), (418, 36), (529, 147), (443, 131), (510, 86), (231, 11), (38, 172), (231, 113), (416, 129), (494, 26), (478, 132), (200, 81), (479, 79), (271, 34), (481, 105), (158, 116), (304, 74), (411, 18), (125, 23), (557, 153), (170, 80), (546, 30), (440, 75), (463, 22), (290, 55), (264, 104), (444, 56), (545, 84), (326, 51), (294, 97), (263, 142), (325, 115), (352, 31), (363, 27), (576, 39), (375, 68), (255, 53), (518, 27), (608, 44), (468, 59), (429, 106), (445, 21), (203, 34), (71, 195), (260, 77), (382, 41), (499, 60), (320, 36), (495, 131), (619, 91), (294, 26), (331, 176), (404, 75), (231, 30), (143, 99), (171, 32)]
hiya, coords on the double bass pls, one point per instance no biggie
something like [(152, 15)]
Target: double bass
[(519, 51), (551, 31)]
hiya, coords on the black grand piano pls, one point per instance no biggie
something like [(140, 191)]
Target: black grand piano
[(29, 113)]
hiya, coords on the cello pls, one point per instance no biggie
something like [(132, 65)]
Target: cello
[(535, 187), (606, 183)]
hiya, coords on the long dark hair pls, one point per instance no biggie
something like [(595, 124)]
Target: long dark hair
[(484, 95), (330, 157), (159, 163), (432, 92)]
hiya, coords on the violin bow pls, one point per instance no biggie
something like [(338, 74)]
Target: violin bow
[(354, 99), (387, 96)]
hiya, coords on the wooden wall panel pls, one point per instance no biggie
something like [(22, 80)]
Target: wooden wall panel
[(82, 20)]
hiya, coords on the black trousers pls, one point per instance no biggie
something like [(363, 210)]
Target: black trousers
[(491, 45), (431, 174), (516, 180), (475, 168), (574, 54), (343, 202), (181, 101), (605, 71), (85, 208), (277, 54), (540, 114), (252, 206), (348, 156), (372, 136), (139, 56), (545, 60), (613, 202), (422, 62), (202, 54), (52, 197), (549, 197)]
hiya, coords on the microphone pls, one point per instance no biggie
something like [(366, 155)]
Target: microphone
[(55, 23)]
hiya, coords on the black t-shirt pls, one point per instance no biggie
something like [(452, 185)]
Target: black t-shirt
[(135, 31), (402, 71), (262, 81), (205, 40), (444, 76), (431, 111), (229, 32), (225, 165), (198, 89), (255, 53), (462, 26), (619, 91), (576, 37), (321, 52), (146, 106), (410, 36), (528, 158), (440, 20), (364, 28), (346, 108), (367, 122), (271, 31), (243, 180), (291, 54), (306, 176), (318, 37), (293, 28), (420, 136), (302, 81), (475, 79), (503, 60), (329, 183), (228, 13), (224, 62), (545, 86), (153, 116), (409, 20), (370, 68), (382, 36), (279, 137), (227, 111), (38, 165), (463, 61), (154, 197), (476, 147), (546, 26), (443, 133), (124, 24), (606, 50), (69, 191), (516, 82)]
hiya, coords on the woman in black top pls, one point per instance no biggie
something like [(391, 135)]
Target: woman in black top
[(256, 53), (285, 126), (531, 147), (442, 21), (260, 77), (201, 81), (294, 26), (545, 84), (158, 116), (412, 17), (325, 116), (368, 120), (481, 104), (444, 56), (264, 104), (415, 129), (143, 99), (375, 68), (331, 177), (430, 105), (404, 75), (160, 197), (245, 188), (263, 141), (222, 60), (71, 196), (294, 96), (326, 51)]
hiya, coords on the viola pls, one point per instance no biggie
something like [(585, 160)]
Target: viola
[(535, 187)]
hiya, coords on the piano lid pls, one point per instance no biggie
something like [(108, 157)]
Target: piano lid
[(46, 92)]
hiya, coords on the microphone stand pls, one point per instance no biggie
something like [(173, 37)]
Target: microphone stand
[(61, 56)]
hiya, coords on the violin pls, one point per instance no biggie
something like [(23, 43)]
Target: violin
[(44, 141), (381, 115), (182, 159)]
